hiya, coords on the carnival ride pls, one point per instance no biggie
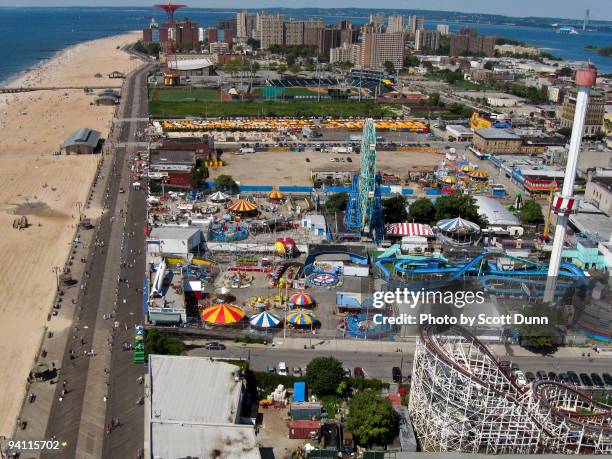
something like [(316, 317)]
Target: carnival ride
[(498, 273), (362, 326), (364, 211), (228, 231), (462, 400)]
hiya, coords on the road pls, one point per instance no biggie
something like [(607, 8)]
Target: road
[(78, 417), (379, 364)]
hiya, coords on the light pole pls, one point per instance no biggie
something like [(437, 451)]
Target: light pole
[(565, 204), (56, 270)]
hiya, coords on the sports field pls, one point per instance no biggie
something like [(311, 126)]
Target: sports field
[(336, 108), (184, 95)]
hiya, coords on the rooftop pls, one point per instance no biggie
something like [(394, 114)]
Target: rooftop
[(495, 212), (195, 403), (605, 182), (172, 156), (598, 226), (173, 232), (83, 136), (496, 134), (190, 64)]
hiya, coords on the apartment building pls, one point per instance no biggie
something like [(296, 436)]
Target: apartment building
[(269, 29), (594, 115), (415, 23), (427, 39), (378, 48), (395, 23)]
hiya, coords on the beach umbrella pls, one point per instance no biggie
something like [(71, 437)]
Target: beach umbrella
[(264, 320), (449, 179), (242, 205), (301, 299), (467, 168), (301, 317), (218, 196), (276, 195), (222, 314)]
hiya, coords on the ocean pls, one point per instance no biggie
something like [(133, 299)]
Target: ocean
[(31, 35)]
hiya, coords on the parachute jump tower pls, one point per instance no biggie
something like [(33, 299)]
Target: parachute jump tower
[(364, 211)]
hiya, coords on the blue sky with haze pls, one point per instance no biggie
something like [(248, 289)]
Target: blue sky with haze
[(600, 9)]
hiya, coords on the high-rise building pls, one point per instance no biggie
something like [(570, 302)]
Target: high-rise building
[(395, 23), (467, 41), (443, 29), (378, 48), (345, 53), (245, 24), (415, 23), (294, 32), (594, 116), (427, 39), (311, 31), (269, 29), (377, 19)]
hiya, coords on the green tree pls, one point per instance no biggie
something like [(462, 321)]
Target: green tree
[(336, 202), (371, 419), (154, 186), (225, 182), (565, 132), (394, 209), (324, 375), (565, 71), (295, 68), (253, 43), (434, 98), (459, 205), (389, 67), (599, 135), (541, 337), (195, 178), (411, 61), (531, 213), (489, 65), (156, 343), (422, 211)]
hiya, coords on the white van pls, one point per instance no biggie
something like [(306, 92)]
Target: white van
[(282, 369)]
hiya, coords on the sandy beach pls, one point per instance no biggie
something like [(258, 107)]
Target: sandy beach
[(46, 188)]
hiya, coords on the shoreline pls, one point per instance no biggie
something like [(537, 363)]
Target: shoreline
[(44, 187), (12, 79)]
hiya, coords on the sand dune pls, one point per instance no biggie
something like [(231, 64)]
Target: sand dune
[(46, 188)]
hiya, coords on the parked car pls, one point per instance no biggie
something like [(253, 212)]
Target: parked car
[(530, 376), (282, 369), (552, 376), (541, 375), (271, 368), (349, 160), (347, 372), (586, 380), (396, 374), (297, 371), (573, 378), (564, 378), (520, 379), (214, 346), (358, 372), (597, 380), (607, 379)]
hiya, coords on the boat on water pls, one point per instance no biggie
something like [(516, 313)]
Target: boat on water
[(567, 30)]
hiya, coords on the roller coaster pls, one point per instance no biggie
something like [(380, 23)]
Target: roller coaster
[(462, 400), (498, 273)]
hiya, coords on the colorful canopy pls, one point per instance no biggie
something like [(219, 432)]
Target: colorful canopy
[(479, 175), (458, 225), (467, 168), (301, 317), (242, 205), (409, 229), (222, 314), (276, 194), (264, 320), (449, 179), (301, 299), (218, 196)]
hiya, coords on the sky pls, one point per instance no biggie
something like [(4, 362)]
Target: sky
[(600, 9)]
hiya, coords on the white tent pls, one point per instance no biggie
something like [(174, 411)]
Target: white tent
[(218, 196)]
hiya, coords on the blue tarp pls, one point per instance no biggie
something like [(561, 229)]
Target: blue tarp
[(407, 191), (299, 392), (433, 192)]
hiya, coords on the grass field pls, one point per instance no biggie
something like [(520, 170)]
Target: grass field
[(186, 95), (169, 109)]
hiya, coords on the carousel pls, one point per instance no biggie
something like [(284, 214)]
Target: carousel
[(242, 206), (228, 231), (457, 231), (218, 197)]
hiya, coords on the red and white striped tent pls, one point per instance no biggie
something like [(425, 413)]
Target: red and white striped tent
[(409, 229)]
